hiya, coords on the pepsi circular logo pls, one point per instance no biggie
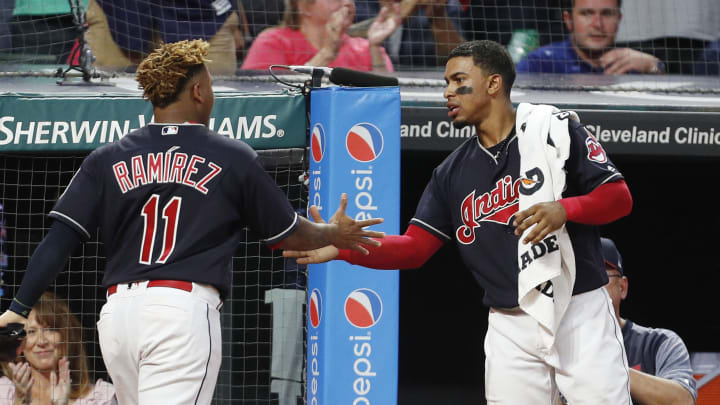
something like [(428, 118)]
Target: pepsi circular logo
[(317, 142), (363, 308), (315, 310), (364, 142)]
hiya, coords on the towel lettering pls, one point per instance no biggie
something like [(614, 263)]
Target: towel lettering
[(538, 250)]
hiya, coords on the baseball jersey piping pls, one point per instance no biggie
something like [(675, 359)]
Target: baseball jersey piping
[(72, 221), (272, 239), (207, 317), (611, 312), (425, 224), (505, 148), (607, 180)]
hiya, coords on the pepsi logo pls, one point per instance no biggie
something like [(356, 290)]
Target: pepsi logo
[(317, 142), (315, 310), (364, 142), (363, 308)]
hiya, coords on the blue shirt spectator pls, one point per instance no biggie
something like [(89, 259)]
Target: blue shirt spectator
[(558, 57), (590, 47)]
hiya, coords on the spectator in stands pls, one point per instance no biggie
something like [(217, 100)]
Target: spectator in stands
[(43, 29), (590, 47), (313, 33), (122, 33), (54, 369), (430, 30), (677, 32), (660, 369)]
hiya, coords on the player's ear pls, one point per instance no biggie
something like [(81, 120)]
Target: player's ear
[(567, 18), (196, 92), (494, 84), (623, 287)]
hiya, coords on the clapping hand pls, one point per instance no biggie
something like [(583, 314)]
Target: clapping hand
[(21, 376), (339, 22), (60, 387), (385, 24)]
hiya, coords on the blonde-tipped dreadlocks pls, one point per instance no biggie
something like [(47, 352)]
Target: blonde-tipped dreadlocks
[(163, 73)]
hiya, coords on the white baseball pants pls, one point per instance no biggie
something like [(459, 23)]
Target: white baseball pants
[(587, 363), (161, 345)]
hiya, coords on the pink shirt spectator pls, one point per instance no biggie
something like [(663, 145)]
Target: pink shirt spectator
[(102, 393), (285, 46)]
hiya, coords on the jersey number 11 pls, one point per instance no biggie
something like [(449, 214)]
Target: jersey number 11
[(171, 214)]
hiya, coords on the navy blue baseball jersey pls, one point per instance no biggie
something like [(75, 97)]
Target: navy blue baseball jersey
[(472, 197), (170, 201), (659, 352)]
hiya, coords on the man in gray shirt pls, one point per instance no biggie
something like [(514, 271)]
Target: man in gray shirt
[(660, 370)]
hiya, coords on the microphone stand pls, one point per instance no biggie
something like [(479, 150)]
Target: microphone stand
[(317, 76), (85, 58)]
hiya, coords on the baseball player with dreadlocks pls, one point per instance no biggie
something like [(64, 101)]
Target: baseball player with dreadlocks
[(171, 200)]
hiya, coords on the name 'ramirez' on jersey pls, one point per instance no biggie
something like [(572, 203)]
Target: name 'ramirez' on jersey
[(473, 196), (149, 193)]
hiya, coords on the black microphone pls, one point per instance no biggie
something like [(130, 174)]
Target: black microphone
[(308, 69), (348, 77)]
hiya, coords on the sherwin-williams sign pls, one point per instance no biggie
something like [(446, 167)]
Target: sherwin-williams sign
[(41, 123)]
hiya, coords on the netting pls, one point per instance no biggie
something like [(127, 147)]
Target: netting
[(548, 36), (266, 299)]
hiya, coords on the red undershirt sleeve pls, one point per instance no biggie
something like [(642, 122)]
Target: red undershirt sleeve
[(408, 251), (603, 205)]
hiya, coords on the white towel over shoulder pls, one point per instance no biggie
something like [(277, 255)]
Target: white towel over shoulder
[(547, 269)]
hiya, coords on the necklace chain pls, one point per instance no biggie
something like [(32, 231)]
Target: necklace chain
[(502, 146)]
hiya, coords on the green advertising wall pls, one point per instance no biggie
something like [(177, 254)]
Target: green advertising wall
[(35, 122)]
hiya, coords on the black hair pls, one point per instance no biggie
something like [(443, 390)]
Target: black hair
[(491, 57), (567, 5)]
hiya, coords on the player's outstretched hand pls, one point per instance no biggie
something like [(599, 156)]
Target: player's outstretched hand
[(322, 255), (549, 217), (348, 233)]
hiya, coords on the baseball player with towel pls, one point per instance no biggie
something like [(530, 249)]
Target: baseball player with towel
[(171, 200), (522, 201)]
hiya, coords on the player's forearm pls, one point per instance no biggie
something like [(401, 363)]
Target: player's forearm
[(308, 236), (323, 57), (651, 390), (445, 35), (378, 59), (360, 29), (408, 251), (44, 266), (603, 205)]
